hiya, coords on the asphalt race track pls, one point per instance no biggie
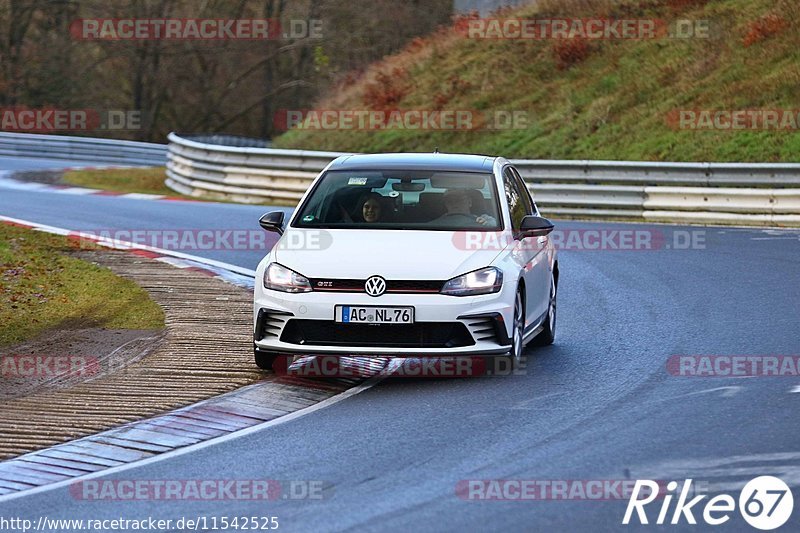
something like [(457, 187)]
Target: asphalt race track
[(34, 163), (598, 405)]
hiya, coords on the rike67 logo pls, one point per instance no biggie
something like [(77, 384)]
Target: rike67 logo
[(765, 503)]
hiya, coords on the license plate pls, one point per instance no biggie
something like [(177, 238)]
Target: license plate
[(359, 314)]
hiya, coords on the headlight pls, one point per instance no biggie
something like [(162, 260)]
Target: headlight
[(280, 278), (483, 281)]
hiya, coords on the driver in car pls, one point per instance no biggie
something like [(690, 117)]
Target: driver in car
[(458, 205)]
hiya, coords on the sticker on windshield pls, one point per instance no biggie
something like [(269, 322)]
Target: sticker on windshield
[(357, 181), (308, 218)]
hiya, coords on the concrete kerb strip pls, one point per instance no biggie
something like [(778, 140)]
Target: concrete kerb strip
[(232, 415)]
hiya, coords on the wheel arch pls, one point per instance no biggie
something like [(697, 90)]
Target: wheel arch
[(521, 285), (555, 273)]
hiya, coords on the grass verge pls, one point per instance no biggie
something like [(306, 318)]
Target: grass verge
[(139, 180), (42, 287), (589, 99), (143, 180)]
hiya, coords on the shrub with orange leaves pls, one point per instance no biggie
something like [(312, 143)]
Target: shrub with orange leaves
[(569, 52), (388, 89), (455, 87), (765, 27)]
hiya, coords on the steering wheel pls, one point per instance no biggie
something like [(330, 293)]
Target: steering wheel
[(471, 218)]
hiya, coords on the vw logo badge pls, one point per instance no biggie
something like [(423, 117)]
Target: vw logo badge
[(375, 286)]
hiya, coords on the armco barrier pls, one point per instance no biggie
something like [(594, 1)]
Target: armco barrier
[(246, 170), (764, 194), (241, 173), (82, 149), (661, 173)]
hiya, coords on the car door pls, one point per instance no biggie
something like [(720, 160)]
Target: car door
[(529, 252)]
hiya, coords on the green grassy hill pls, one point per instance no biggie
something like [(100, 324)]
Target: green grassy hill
[(593, 99)]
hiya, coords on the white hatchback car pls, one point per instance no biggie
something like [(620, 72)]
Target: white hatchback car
[(408, 255)]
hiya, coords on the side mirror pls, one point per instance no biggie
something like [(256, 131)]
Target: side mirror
[(533, 226), (273, 221)]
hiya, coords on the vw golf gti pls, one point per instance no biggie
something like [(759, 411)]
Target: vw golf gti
[(408, 255)]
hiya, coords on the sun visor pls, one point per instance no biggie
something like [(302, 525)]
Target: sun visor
[(458, 181)]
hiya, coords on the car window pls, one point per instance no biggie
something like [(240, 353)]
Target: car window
[(530, 206), (392, 199), (518, 201)]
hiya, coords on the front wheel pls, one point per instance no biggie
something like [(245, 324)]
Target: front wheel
[(264, 360), (272, 361), (548, 334), (518, 329)]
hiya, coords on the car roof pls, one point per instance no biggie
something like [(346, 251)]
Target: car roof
[(415, 161)]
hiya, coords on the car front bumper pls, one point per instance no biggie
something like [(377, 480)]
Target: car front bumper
[(482, 320)]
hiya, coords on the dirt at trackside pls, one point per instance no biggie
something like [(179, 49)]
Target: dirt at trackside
[(205, 351), (64, 357)]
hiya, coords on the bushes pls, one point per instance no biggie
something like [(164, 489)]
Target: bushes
[(568, 52), (763, 28), (387, 90), (455, 87)]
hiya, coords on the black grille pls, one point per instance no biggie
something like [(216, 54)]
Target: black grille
[(419, 335), (484, 329), (269, 323), (393, 286)]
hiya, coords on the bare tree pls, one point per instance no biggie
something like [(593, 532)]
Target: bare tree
[(233, 86)]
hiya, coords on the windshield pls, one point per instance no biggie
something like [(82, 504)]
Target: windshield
[(429, 200)]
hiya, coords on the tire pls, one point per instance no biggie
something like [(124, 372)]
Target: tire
[(517, 331), (264, 360), (548, 334)]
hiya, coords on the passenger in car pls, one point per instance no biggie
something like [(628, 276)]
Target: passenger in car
[(371, 208)]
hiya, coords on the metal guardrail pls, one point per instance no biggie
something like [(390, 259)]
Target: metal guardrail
[(248, 171), (238, 173), (224, 139), (82, 149), (659, 173), (713, 193)]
